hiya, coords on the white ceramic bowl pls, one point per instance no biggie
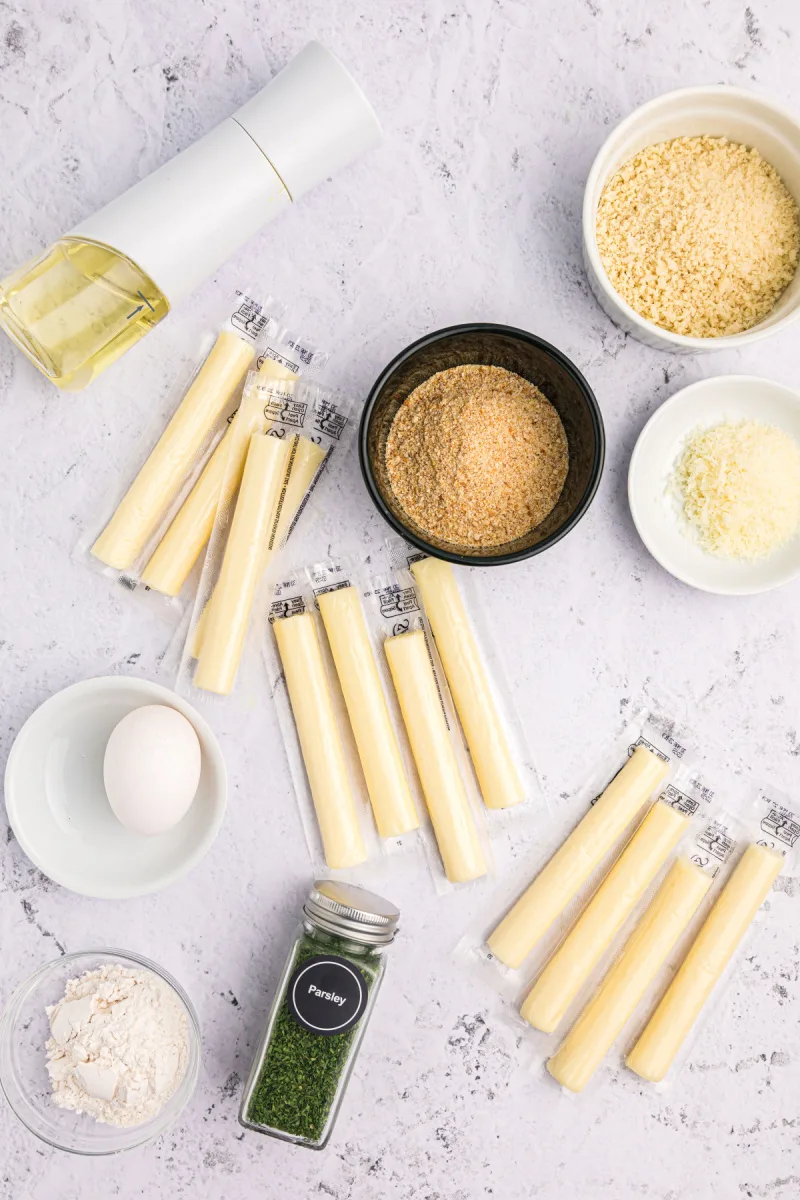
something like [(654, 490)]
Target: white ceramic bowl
[(656, 511), (24, 1030), (717, 111), (57, 804)]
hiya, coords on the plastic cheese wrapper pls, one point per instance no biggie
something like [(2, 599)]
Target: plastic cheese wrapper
[(368, 711), (251, 531), (304, 462), (453, 821), (312, 706), (606, 1014), (566, 972), (662, 938), (472, 666), (640, 954), (551, 927), (312, 714), (155, 529), (774, 830), (172, 458), (168, 568), (395, 719), (187, 536), (281, 440), (454, 833), (594, 837), (289, 353), (710, 953), (142, 507), (498, 776)]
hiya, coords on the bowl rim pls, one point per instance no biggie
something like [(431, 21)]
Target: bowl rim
[(189, 1080), (640, 523), (153, 693), (668, 339), (474, 560)]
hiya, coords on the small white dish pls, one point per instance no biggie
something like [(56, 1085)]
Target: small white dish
[(57, 804), (656, 511), (717, 111)]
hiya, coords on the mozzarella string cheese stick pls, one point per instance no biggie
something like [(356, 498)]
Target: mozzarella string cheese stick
[(181, 545), (179, 549), (160, 480), (451, 816), (270, 369), (573, 962), (227, 465), (242, 564), (498, 777), (724, 927), (583, 851), (643, 955), (320, 743), (305, 459), (374, 735)]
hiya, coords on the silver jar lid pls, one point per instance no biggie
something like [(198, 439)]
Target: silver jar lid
[(351, 911)]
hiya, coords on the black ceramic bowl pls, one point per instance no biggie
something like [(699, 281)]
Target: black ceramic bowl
[(497, 346)]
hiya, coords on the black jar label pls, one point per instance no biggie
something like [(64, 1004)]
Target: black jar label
[(327, 994)]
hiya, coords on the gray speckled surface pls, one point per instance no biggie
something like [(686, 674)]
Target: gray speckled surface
[(493, 111)]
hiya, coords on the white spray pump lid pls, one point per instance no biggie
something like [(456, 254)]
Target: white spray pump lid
[(311, 120), (182, 222)]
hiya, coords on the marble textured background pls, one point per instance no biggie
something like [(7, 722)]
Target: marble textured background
[(493, 111)]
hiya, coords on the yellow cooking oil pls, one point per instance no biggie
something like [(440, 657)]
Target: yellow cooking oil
[(77, 308)]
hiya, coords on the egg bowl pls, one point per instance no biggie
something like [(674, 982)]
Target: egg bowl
[(57, 804)]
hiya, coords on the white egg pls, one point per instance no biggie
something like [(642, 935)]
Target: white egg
[(151, 768)]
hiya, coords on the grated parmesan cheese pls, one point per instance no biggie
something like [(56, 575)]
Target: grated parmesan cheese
[(740, 487)]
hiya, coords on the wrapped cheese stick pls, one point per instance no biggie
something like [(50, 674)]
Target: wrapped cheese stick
[(320, 743), (498, 777), (304, 461), (270, 369), (583, 851), (179, 549), (374, 735), (251, 529), (710, 953), (451, 816), (645, 952), (573, 962), (160, 480)]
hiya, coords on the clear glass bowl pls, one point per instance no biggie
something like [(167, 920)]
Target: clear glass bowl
[(24, 1030)]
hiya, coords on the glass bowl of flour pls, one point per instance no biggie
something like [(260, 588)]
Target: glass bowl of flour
[(99, 1051)]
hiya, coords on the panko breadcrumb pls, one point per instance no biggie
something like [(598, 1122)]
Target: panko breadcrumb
[(699, 235), (477, 456)]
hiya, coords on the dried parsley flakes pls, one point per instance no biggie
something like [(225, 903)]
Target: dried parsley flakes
[(301, 1070)]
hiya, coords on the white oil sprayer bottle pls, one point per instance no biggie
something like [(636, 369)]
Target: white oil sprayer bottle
[(99, 289)]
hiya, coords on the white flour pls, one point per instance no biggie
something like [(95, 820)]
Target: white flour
[(119, 1045)]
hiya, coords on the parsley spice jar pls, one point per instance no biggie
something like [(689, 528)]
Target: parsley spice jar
[(321, 1009)]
